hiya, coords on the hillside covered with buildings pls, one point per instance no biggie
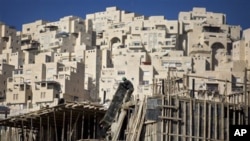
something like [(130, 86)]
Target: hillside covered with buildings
[(85, 59)]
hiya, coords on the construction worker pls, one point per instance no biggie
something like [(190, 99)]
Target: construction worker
[(129, 86)]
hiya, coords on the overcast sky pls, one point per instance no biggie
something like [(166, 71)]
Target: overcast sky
[(18, 12)]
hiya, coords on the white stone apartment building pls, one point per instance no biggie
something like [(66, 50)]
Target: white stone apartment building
[(85, 59), (5, 72)]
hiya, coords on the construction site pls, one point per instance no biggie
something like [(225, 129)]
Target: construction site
[(172, 113), (121, 76)]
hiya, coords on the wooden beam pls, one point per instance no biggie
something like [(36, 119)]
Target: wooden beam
[(55, 126), (209, 121), (63, 126), (215, 124), (178, 116), (82, 130), (191, 118), (198, 120), (48, 129), (205, 119)]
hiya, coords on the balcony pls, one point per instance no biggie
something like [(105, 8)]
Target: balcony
[(62, 77), (25, 37), (62, 35), (207, 36), (55, 44), (17, 72), (29, 47), (135, 45), (188, 28), (168, 43)]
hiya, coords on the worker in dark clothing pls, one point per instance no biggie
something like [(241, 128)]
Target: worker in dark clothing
[(129, 86)]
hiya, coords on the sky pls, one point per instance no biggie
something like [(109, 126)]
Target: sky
[(18, 12)]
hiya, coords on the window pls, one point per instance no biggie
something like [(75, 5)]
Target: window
[(121, 72), (136, 43), (75, 98), (238, 80), (178, 64), (171, 27), (50, 70), (145, 82), (43, 84), (165, 64), (146, 73), (15, 96), (168, 42), (42, 96), (28, 71)]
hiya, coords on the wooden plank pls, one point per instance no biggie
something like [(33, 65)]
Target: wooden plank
[(70, 125), (228, 122), (168, 106), (222, 121), (247, 109), (82, 131), (63, 126), (185, 120), (142, 122), (205, 120), (178, 117), (55, 126), (209, 121), (48, 127), (170, 113), (198, 121), (234, 120), (239, 117), (215, 121), (40, 130), (191, 118), (162, 121)]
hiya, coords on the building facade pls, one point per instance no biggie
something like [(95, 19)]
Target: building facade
[(85, 59)]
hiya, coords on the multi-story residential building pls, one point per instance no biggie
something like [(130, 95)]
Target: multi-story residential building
[(85, 59), (5, 72), (10, 46), (208, 35), (241, 48)]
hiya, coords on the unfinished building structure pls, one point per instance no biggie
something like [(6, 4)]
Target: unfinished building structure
[(191, 77)]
